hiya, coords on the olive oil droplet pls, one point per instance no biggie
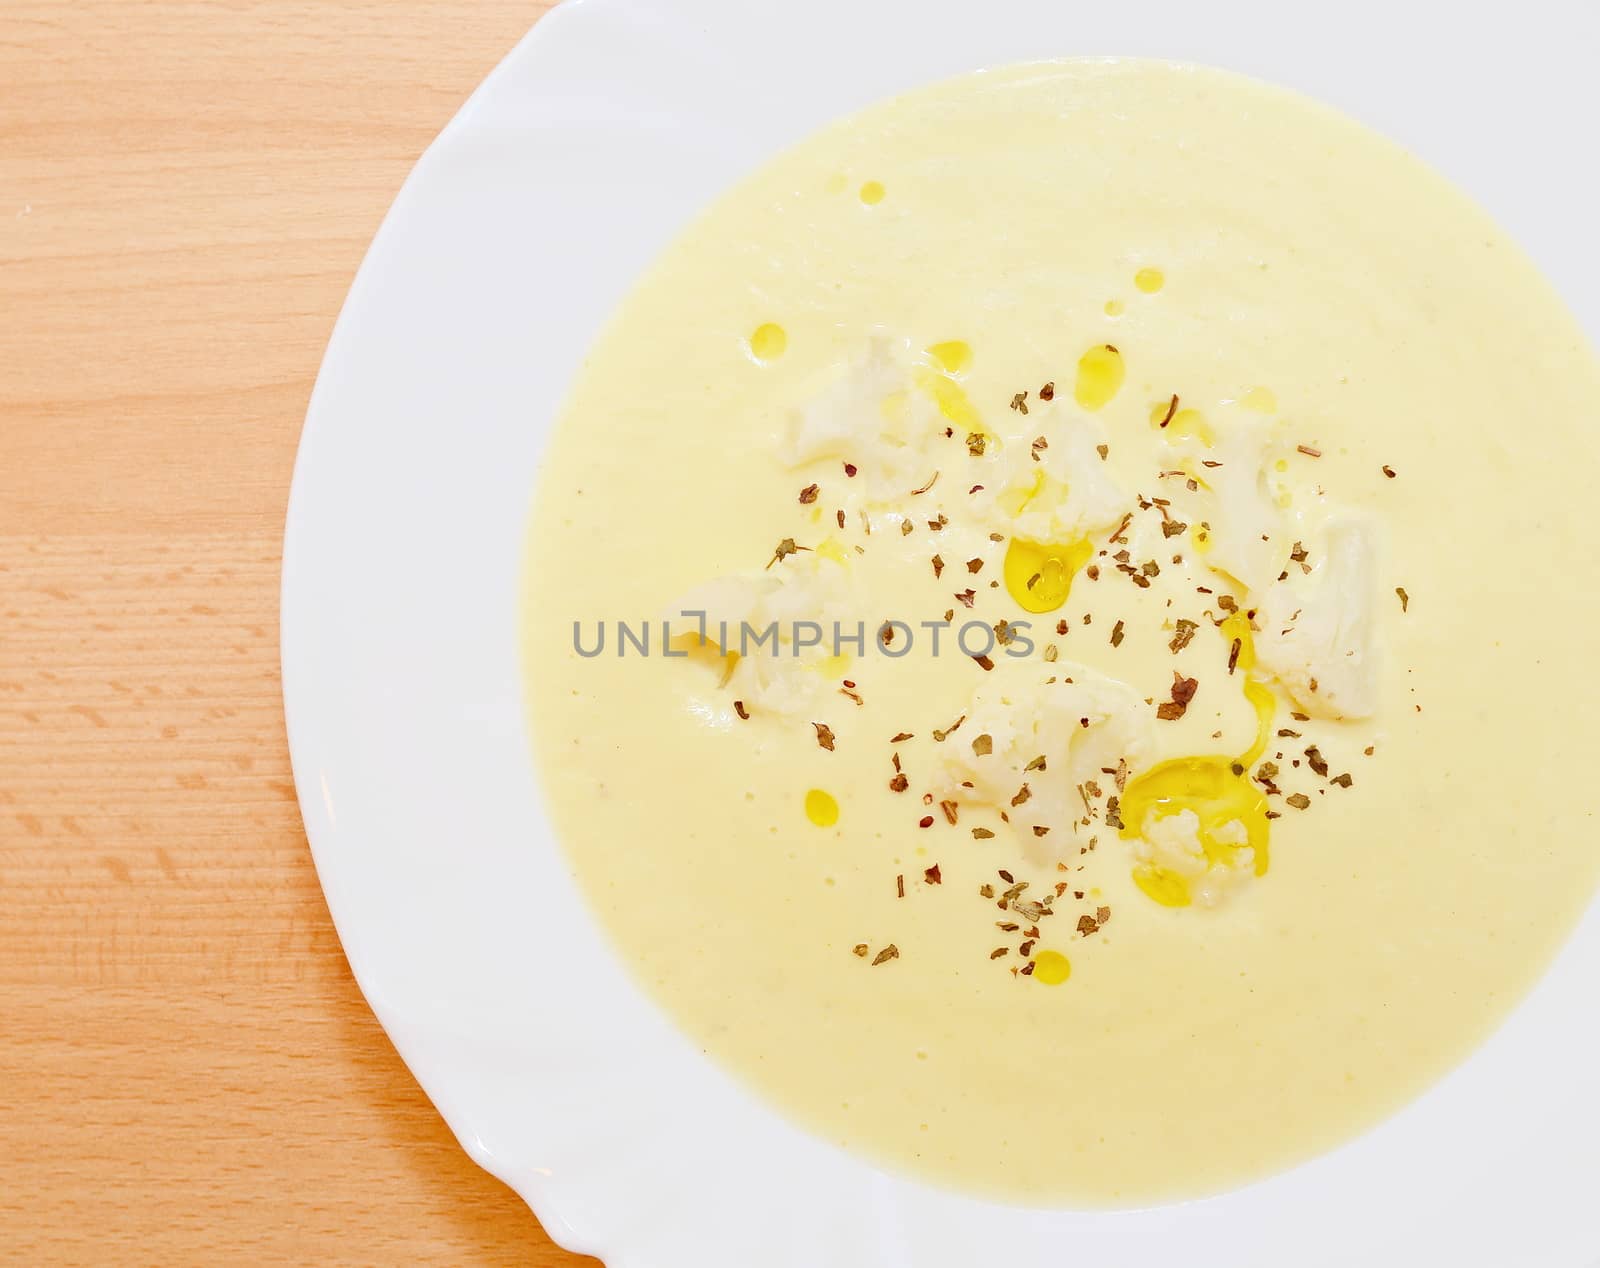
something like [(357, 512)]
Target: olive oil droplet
[(821, 808), (768, 342), (1052, 968), (1100, 375)]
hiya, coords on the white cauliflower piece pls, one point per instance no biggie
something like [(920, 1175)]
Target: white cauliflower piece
[(1172, 843), (1027, 718), (1068, 493), (1249, 540), (870, 415), (1317, 631), (776, 625)]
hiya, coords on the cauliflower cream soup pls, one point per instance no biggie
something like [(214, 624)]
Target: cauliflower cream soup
[(1056, 644)]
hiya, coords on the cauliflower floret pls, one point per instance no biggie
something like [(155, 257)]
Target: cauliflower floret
[(1171, 843), (1067, 493), (1248, 539), (873, 416), (1317, 631), (1080, 725), (772, 631)]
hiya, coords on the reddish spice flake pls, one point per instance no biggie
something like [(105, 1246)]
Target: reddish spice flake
[(1185, 631), (966, 597), (861, 949), (1343, 781), (1172, 410), (1087, 925), (1405, 599), (900, 886), (925, 822), (890, 952), (933, 876), (981, 834), (850, 469), (1316, 761), (903, 735), (738, 707), (1309, 451), (1233, 654), (949, 808), (824, 735), (1023, 794), (808, 495), (899, 784), (984, 663), (938, 566), (839, 516), (1116, 634), (1388, 471), (974, 565), (1183, 690), (1019, 402), (998, 952), (1299, 801), (1047, 392)]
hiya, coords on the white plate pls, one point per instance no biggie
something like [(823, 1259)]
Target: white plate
[(516, 235)]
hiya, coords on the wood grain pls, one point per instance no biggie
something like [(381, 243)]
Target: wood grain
[(188, 1074)]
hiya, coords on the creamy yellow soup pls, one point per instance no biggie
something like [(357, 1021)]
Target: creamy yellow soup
[(1222, 446)]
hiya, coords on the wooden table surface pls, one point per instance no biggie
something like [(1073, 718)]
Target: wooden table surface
[(188, 1074)]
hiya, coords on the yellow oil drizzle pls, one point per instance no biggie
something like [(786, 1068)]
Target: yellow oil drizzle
[(952, 400), (953, 356), (872, 193), (821, 808), (835, 666), (1184, 423), (1217, 790), (1100, 375), (1260, 400), (1039, 575), (1149, 280), (705, 651), (768, 342), (1051, 967)]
